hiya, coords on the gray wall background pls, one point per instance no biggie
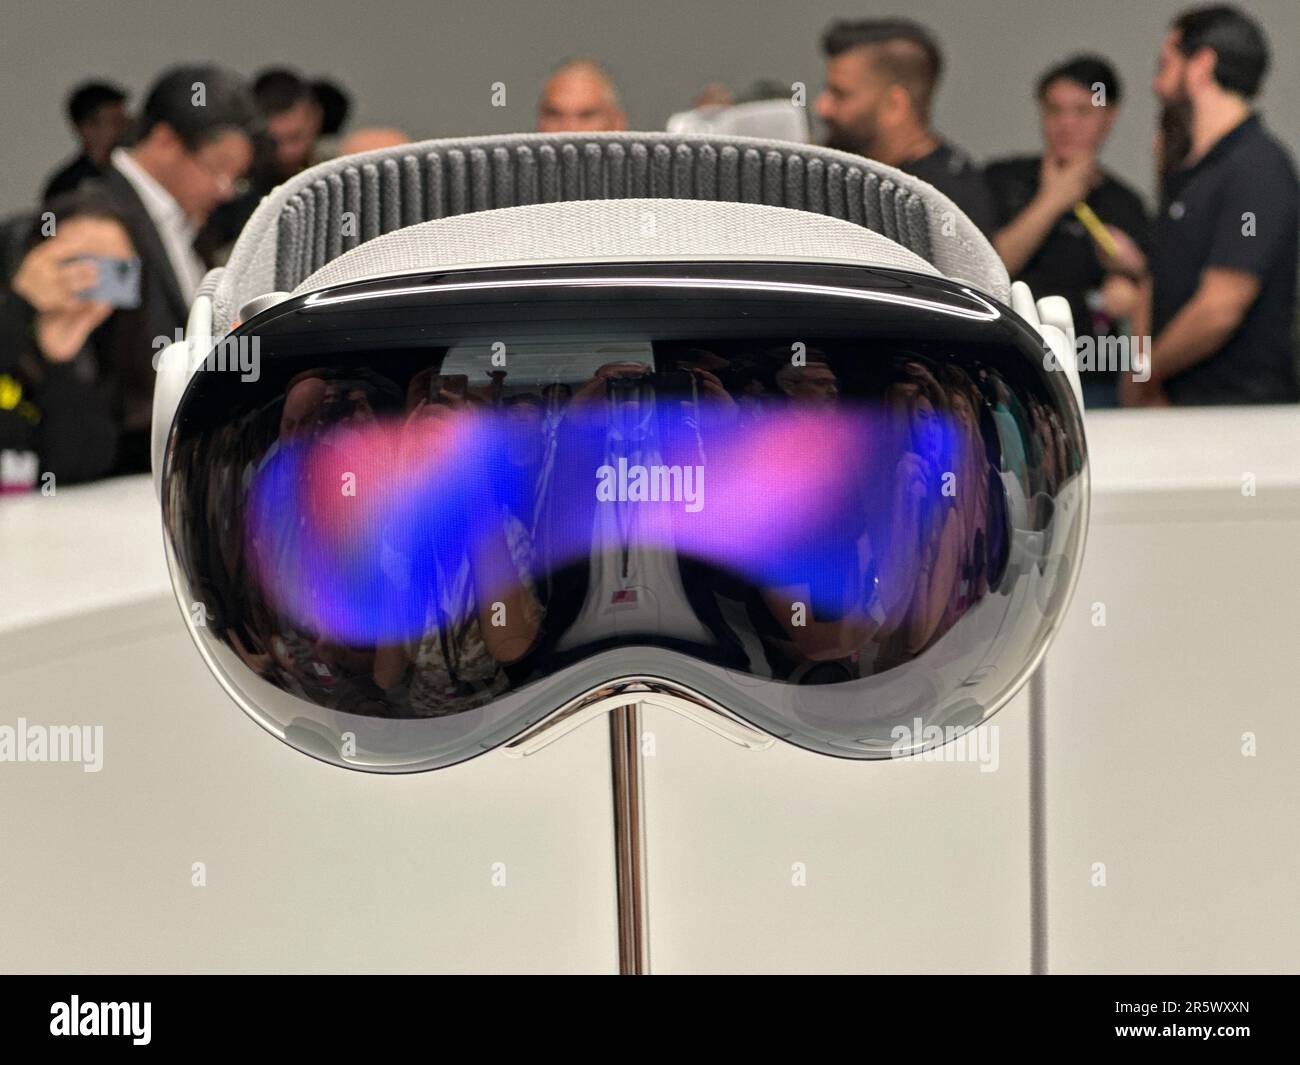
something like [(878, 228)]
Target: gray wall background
[(429, 66)]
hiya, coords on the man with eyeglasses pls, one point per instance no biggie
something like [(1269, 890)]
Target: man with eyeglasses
[(192, 146), (291, 121)]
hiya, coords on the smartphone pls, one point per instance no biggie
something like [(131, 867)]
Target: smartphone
[(119, 281)]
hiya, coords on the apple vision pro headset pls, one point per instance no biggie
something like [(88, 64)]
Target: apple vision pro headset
[(475, 438)]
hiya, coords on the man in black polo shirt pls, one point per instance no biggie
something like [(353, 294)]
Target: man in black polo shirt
[(1044, 242), (1225, 258), (881, 75)]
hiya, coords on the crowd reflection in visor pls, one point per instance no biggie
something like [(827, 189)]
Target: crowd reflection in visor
[(416, 550)]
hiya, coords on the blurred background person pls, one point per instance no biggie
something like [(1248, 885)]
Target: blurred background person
[(1173, 139), (1042, 239), (881, 77), (291, 116), (335, 107), (56, 412), (1225, 252), (97, 112), (193, 144), (580, 97)]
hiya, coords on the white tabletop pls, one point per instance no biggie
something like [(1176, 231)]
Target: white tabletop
[(84, 548), (1193, 448)]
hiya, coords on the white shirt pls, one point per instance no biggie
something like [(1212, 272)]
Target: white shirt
[(173, 224)]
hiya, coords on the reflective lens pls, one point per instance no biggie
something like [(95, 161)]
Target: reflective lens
[(847, 505)]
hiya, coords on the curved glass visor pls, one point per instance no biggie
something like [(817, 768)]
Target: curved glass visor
[(847, 505)]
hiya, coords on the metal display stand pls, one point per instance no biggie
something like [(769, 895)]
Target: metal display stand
[(629, 840), (620, 700)]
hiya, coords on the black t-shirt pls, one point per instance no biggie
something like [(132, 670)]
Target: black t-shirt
[(951, 171), (1066, 263), (1237, 207)]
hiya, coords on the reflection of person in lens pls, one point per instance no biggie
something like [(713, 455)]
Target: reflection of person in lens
[(1053, 463), (862, 591), (971, 484), (612, 564), (926, 517), (319, 411), (904, 560), (482, 613), (709, 391), (813, 383), (303, 401)]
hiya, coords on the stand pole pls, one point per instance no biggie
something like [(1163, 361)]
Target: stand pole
[(629, 841)]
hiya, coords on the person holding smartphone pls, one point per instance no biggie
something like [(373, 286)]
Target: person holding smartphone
[(55, 404)]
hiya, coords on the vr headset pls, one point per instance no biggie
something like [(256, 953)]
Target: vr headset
[(474, 439)]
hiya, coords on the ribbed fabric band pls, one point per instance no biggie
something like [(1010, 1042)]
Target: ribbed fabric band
[(334, 207)]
